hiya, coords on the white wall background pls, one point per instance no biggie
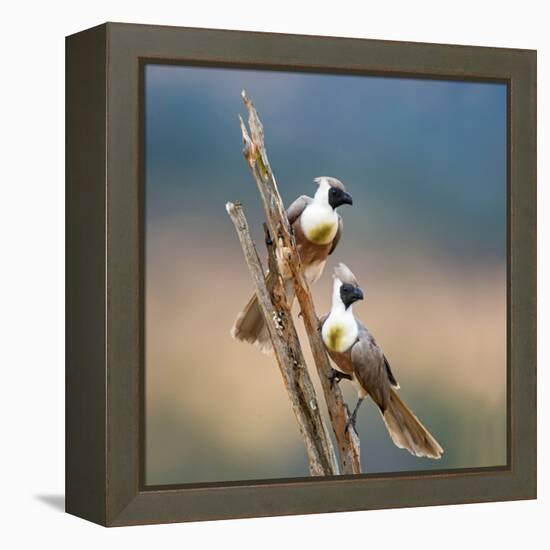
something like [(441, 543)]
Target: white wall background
[(32, 274)]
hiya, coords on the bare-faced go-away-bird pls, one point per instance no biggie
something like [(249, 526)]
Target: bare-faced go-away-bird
[(317, 229), (359, 359)]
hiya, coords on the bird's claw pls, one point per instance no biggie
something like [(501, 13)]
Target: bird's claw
[(337, 376), (334, 376)]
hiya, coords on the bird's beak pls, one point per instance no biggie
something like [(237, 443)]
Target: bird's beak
[(346, 198), (357, 294)]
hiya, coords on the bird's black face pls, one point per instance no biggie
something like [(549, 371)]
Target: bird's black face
[(337, 197), (350, 294)]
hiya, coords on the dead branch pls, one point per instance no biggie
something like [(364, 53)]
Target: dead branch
[(283, 239), (277, 314)]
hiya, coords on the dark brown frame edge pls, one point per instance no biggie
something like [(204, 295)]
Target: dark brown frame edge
[(104, 248), (86, 300)]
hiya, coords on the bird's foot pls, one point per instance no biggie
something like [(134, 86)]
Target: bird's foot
[(267, 236), (337, 376), (334, 377), (352, 417)]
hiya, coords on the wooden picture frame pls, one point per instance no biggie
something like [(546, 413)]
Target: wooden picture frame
[(105, 234)]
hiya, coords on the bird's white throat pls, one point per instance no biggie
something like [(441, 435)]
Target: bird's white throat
[(319, 220), (340, 328)]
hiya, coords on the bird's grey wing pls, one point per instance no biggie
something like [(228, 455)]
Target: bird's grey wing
[(389, 372), (369, 368), (295, 210), (338, 235)]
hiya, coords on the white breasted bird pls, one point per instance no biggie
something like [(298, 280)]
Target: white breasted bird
[(359, 359), (317, 228)]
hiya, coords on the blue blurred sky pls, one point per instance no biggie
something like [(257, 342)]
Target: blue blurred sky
[(416, 154)]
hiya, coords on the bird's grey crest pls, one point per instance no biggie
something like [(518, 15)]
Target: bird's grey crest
[(344, 273), (333, 182)]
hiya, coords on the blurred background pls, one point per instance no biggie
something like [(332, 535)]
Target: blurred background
[(425, 161)]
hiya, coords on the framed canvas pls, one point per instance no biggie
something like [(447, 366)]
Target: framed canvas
[(415, 171)]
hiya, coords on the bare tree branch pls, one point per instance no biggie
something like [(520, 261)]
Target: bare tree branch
[(283, 237), (278, 317)]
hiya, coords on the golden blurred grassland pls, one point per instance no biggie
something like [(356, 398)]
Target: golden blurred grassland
[(217, 410)]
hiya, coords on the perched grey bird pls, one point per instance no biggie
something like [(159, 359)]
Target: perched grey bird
[(359, 359), (317, 228)]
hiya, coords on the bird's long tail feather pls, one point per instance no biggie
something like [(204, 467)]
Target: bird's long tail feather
[(407, 432), (250, 324)]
